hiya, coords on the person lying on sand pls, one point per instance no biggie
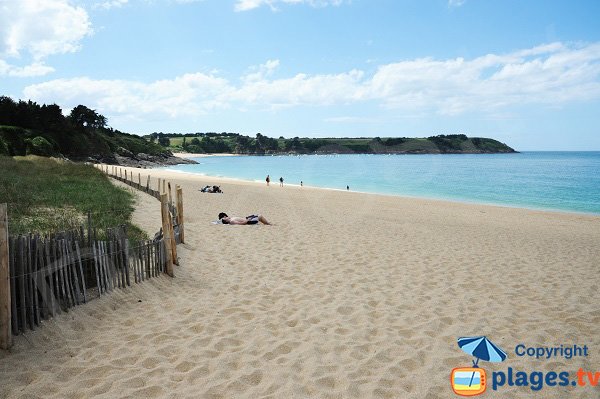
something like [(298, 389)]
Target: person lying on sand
[(211, 189), (252, 219)]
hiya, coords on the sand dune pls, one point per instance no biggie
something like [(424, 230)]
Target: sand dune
[(347, 296)]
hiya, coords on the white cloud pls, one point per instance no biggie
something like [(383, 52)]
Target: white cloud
[(41, 27), (261, 72), (245, 5), (186, 95), (301, 89), (553, 74), (108, 4), (35, 69), (36, 29), (456, 3)]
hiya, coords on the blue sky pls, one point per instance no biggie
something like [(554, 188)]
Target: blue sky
[(524, 72)]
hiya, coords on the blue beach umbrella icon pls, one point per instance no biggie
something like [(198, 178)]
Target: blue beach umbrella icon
[(483, 349)]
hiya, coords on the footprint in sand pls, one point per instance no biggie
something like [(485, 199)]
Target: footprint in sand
[(345, 310), (184, 366), (252, 379)]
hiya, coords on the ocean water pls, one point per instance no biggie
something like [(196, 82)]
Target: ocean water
[(563, 181)]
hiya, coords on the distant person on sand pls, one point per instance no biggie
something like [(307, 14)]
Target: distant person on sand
[(301, 184), (252, 219), (347, 188), (268, 179), (281, 181)]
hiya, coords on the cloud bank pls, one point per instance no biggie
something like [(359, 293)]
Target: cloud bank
[(553, 74)]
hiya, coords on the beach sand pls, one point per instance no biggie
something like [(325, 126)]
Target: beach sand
[(347, 295)]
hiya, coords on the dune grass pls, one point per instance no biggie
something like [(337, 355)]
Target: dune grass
[(46, 195)]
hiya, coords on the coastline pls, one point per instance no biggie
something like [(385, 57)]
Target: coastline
[(189, 155), (204, 178), (346, 295)]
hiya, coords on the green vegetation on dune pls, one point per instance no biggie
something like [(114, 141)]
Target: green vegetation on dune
[(46, 195)]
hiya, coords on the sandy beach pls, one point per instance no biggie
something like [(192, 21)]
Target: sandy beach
[(189, 155), (347, 295)]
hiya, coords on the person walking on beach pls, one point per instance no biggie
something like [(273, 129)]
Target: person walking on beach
[(268, 179), (301, 184), (347, 188), (281, 182)]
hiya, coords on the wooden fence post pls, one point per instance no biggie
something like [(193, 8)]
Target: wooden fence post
[(158, 188), (179, 193), (148, 184), (140, 181), (164, 210), (5, 320), (170, 195), (164, 189)]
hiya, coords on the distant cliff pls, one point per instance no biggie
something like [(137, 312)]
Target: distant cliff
[(260, 145), (442, 144)]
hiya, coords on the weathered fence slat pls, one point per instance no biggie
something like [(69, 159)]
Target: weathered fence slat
[(29, 305), (55, 308), (39, 280), (102, 268), (13, 286), (120, 255), (33, 278), (113, 262), (106, 266), (83, 284), (96, 261), (64, 274), (68, 274), (21, 277), (5, 281), (73, 268), (119, 259), (126, 257)]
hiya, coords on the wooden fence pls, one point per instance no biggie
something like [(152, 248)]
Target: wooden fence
[(175, 208), (41, 276), (51, 274)]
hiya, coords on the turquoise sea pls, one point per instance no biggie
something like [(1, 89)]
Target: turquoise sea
[(563, 181)]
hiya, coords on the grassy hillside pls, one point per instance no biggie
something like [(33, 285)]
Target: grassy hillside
[(77, 145), (46, 195), (236, 143)]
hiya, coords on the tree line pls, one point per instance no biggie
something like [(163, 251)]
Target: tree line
[(27, 127)]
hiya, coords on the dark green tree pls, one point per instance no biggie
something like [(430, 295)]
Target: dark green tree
[(164, 141), (82, 117)]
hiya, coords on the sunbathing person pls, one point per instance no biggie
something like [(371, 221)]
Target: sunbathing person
[(252, 219), (211, 189)]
